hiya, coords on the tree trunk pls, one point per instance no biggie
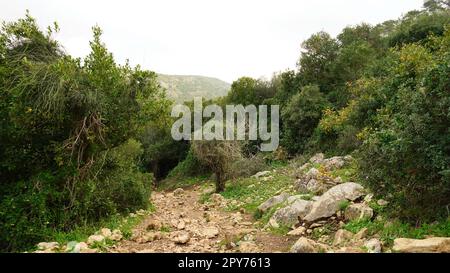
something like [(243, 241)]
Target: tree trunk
[(220, 183)]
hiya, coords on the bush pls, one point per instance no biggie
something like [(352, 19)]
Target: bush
[(33, 210), (300, 117), (407, 156)]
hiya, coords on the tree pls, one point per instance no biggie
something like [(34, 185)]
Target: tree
[(300, 117), (219, 156)]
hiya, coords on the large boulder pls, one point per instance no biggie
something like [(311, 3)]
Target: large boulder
[(334, 163), (305, 245), (315, 182), (289, 215), (342, 236), (430, 245), (358, 212), (273, 201), (328, 204)]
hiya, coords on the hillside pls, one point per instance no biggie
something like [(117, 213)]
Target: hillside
[(184, 88)]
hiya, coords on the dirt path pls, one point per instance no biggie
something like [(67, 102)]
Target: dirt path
[(182, 224)]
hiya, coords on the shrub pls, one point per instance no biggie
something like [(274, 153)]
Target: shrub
[(407, 155)]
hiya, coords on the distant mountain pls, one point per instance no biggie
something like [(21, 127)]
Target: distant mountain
[(185, 88)]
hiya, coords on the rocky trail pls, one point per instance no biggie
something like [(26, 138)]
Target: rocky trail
[(311, 216), (181, 224)]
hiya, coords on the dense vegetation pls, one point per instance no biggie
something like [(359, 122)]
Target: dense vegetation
[(69, 154), (379, 92), (83, 139)]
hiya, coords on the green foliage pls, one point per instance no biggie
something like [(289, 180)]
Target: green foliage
[(67, 154), (300, 117), (411, 134)]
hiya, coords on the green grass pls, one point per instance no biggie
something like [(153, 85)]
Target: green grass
[(396, 229), (255, 195), (80, 234)]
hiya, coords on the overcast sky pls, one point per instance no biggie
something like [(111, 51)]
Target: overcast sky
[(219, 38)]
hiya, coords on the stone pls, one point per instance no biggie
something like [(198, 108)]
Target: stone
[(153, 225), (95, 239), (261, 174), (334, 163), (116, 235), (305, 245), (350, 249), (382, 202), (361, 234), (328, 204), (290, 215), (210, 232), (181, 237), (342, 236), (273, 201), (358, 212), (297, 232), (217, 199), (317, 158), (304, 167), (373, 246), (181, 225), (149, 237), (106, 232), (429, 245), (248, 247), (50, 246), (178, 192)]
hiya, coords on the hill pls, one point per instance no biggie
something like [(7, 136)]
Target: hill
[(184, 88)]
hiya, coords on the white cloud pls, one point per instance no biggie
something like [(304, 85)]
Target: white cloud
[(225, 39)]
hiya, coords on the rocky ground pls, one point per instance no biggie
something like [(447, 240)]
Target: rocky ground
[(314, 211)]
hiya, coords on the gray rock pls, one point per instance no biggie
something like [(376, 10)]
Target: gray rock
[(342, 236), (317, 158), (328, 204), (290, 215), (271, 202), (373, 246), (358, 212), (305, 245)]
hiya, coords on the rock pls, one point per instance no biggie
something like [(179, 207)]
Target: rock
[(153, 225), (149, 237), (49, 246), (273, 223), (75, 247), (290, 215), (217, 199), (295, 198), (261, 174), (358, 211), (271, 202), (210, 232), (334, 163), (181, 237), (178, 192), (297, 232), (373, 246), (328, 203), (105, 232), (382, 202), (350, 249), (304, 167), (248, 247), (429, 245), (361, 234), (317, 158), (342, 236), (305, 245), (95, 239), (181, 225)]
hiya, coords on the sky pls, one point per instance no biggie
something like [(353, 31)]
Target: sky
[(225, 39)]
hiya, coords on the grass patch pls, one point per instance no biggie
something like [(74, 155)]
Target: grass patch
[(396, 229), (80, 234)]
